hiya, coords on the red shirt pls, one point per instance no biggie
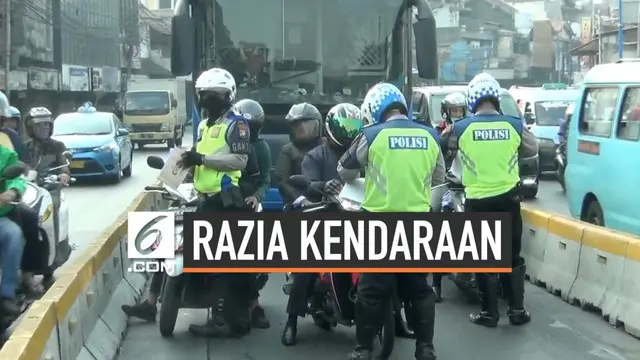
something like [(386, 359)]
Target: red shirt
[(441, 126)]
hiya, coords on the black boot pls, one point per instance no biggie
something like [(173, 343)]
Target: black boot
[(367, 326), (516, 312), (144, 310), (488, 287), (424, 323), (259, 319), (402, 326), (290, 331)]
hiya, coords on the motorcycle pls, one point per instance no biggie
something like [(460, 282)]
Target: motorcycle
[(180, 290), (334, 294), (38, 198), (560, 159)]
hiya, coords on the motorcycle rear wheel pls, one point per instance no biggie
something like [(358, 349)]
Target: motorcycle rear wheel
[(386, 336)]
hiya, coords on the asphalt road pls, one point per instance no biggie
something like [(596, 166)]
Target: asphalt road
[(96, 204), (558, 330), (550, 198)]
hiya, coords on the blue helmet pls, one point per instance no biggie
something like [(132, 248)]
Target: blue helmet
[(483, 87), (15, 113), (380, 98)]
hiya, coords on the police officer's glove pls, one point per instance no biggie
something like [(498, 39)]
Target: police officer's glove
[(192, 158), (332, 187)]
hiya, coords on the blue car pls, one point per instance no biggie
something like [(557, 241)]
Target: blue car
[(99, 143)]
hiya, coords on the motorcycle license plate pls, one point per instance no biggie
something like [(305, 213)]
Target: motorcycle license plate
[(529, 181), (77, 165), (180, 212)]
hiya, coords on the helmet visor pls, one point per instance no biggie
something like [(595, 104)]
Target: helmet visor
[(304, 130)]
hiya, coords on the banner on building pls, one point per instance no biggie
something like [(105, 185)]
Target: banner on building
[(75, 78), (18, 80), (586, 34), (44, 79)]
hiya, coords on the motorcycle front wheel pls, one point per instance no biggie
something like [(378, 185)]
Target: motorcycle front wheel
[(171, 301), (386, 336)]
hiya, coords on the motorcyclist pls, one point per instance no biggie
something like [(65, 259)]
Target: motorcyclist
[(496, 189), (44, 154), (305, 133), (385, 107), (342, 124), (452, 108), (255, 180), (564, 128), (218, 158), (13, 122), (11, 246)]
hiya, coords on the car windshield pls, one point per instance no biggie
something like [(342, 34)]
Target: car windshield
[(83, 124), (147, 103), (508, 105), (550, 113), (284, 52)]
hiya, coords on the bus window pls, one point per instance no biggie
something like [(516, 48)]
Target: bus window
[(598, 109), (629, 118)]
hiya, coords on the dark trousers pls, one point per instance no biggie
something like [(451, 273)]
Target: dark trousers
[(35, 256), (301, 290), (510, 203), (374, 289), (239, 288)]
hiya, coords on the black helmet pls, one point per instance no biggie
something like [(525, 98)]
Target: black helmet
[(253, 113), (305, 124), (452, 101), (342, 124), (303, 112)]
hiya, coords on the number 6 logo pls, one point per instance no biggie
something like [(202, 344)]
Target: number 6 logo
[(151, 235)]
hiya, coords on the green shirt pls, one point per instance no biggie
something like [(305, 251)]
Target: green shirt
[(9, 157)]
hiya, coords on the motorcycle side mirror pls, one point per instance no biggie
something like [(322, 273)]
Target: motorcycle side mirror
[(529, 119), (68, 156), (14, 171), (299, 181), (424, 30), (155, 162), (182, 39)]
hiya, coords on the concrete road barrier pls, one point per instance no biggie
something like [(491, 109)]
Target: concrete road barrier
[(80, 316), (586, 265)]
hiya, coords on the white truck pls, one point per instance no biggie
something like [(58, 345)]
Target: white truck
[(157, 111)]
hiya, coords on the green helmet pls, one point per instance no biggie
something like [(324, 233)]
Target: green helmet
[(342, 124)]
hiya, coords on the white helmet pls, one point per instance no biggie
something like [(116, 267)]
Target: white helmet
[(217, 79)]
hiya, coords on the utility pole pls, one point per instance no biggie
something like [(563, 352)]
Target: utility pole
[(638, 30), (620, 31), (7, 48)]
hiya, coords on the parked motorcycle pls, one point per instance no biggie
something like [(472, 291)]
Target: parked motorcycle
[(38, 198), (180, 290), (561, 161)]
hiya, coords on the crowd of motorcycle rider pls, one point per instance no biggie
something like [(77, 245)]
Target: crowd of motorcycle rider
[(22, 254), (231, 167)]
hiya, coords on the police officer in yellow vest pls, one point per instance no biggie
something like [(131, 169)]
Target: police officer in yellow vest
[(389, 145), (219, 157), (490, 144)]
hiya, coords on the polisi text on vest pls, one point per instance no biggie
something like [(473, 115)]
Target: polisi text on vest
[(491, 134), (408, 142)]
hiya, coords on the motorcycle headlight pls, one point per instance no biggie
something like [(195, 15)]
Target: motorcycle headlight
[(165, 127), (106, 148)]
